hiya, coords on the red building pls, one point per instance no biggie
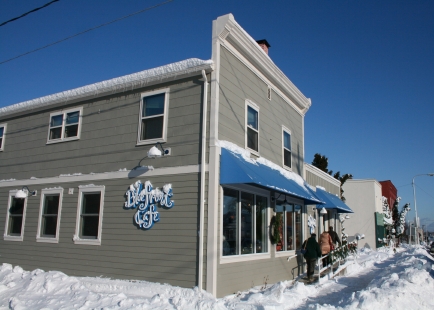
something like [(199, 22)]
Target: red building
[(389, 191)]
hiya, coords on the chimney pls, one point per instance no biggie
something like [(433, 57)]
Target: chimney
[(264, 45)]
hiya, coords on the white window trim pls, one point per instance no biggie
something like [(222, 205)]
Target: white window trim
[(254, 106), (64, 112), (59, 211), (284, 129), (245, 257), (2, 145), (6, 237), (166, 91), (89, 189)]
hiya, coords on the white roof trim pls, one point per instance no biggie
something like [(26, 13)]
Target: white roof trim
[(130, 81), (237, 37)]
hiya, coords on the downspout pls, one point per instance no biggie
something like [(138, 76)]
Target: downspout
[(202, 178)]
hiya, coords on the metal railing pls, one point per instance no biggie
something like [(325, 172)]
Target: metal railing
[(333, 266)]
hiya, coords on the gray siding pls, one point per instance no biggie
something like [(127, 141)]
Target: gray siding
[(315, 180), (238, 83), (167, 253), (108, 135)]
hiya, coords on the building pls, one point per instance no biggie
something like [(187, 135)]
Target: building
[(171, 175), (365, 198), (389, 191)]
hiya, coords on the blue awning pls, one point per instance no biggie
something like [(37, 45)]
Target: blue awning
[(332, 201), (234, 169)]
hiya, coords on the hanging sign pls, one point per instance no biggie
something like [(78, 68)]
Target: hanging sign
[(145, 199)]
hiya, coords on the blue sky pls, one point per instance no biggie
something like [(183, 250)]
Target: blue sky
[(368, 67)]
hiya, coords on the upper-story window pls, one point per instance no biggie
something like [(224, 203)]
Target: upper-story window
[(65, 125), (15, 217), (49, 215), (287, 154), (153, 117), (252, 127), (2, 136)]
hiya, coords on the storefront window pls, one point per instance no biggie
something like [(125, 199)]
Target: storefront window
[(289, 230), (230, 221), (289, 216), (261, 225), (244, 223), (298, 233)]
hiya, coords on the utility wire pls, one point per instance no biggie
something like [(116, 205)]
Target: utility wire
[(80, 33), (34, 10)]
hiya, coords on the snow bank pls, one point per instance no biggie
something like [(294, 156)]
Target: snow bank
[(117, 84), (378, 280)]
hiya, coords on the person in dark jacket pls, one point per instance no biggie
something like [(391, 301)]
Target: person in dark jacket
[(313, 251), (335, 237)]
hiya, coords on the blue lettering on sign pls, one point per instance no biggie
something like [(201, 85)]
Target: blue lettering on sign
[(145, 198)]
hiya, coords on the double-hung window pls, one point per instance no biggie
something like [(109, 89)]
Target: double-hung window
[(288, 217), (49, 215), (252, 126), (89, 215), (244, 223), (287, 154), (65, 125), (2, 136), (153, 117), (15, 218)]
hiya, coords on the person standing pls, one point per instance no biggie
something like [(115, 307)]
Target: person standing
[(335, 237), (312, 254), (325, 242)]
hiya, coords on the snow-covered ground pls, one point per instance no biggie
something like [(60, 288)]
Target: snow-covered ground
[(377, 280)]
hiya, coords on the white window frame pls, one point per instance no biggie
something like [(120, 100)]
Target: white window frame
[(62, 138), (284, 129), (2, 144), (255, 107), (245, 257), (45, 192), (7, 237), (89, 189), (165, 91)]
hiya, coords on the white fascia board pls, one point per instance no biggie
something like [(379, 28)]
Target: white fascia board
[(149, 77), (325, 176), (247, 46)]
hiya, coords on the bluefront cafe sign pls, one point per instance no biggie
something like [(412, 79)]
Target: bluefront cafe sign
[(146, 199)]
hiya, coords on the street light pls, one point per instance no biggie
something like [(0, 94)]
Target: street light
[(423, 230), (415, 206)]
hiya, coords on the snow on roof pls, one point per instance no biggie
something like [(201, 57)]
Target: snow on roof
[(116, 84)]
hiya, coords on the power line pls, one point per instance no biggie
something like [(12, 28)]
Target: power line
[(80, 33), (34, 10)]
